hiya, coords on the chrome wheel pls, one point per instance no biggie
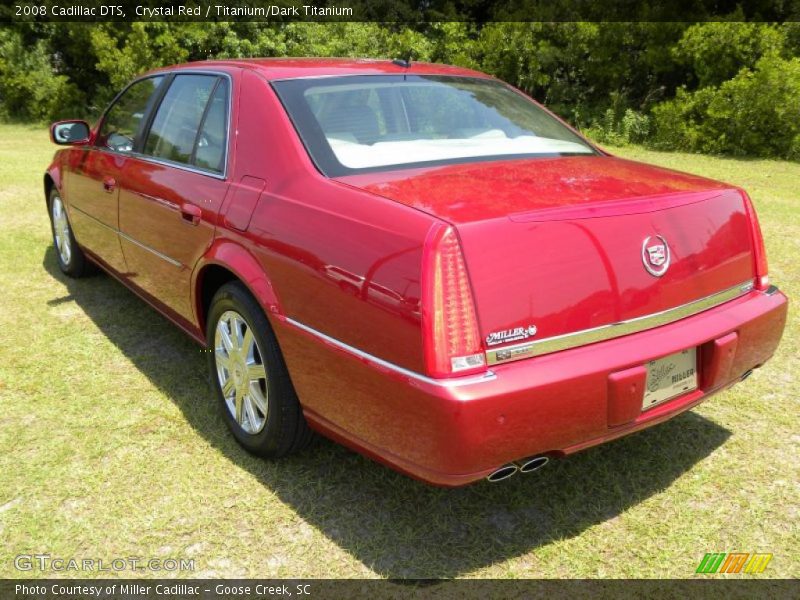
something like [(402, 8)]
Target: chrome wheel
[(61, 230), (241, 371)]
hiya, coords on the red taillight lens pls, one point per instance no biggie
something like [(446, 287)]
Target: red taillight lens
[(451, 337), (759, 251)]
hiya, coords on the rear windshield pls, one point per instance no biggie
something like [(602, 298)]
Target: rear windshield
[(380, 122)]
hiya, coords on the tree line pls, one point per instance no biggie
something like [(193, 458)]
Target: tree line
[(727, 87)]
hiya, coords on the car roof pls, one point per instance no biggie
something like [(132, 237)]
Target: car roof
[(295, 68)]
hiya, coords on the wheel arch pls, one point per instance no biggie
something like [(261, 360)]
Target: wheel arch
[(51, 180), (224, 262)]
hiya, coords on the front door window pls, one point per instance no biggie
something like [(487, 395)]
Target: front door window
[(125, 119)]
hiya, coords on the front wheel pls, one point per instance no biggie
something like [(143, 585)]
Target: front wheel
[(250, 378), (71, 259)]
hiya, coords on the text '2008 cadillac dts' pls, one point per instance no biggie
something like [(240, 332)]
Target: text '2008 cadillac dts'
[(417, 261)]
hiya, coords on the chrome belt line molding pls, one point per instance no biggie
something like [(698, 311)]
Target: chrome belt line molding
[(451, 382), (547, 345), (613, 330)]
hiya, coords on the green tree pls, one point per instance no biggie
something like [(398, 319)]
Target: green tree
[(29, 87), (755, 113), (717, 51)]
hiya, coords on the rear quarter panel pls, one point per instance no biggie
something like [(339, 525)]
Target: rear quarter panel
[(341, 261)]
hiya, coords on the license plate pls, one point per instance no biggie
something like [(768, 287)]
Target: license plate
[(670, 376)]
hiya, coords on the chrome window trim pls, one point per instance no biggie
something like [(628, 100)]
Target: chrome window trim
[(603, 333), (167, 163), (164, 163), (448, 383)]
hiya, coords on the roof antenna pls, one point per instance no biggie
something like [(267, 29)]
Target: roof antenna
[(402, 63)]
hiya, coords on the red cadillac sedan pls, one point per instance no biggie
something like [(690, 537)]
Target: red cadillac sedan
[(415, 260)]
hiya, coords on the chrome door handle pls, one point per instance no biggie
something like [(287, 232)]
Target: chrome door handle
[(191, 213)]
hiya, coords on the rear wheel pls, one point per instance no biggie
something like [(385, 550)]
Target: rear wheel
[(250, 378), (71, 259)]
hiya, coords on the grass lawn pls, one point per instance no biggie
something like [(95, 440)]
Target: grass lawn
[(111, 447)]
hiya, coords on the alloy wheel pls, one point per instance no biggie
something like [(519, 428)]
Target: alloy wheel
[(241, 372), (61, 231)]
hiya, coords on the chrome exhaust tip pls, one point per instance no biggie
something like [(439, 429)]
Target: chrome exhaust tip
[(502, 473), (529, 465)]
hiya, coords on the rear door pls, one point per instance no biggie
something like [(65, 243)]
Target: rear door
[(174, 187), (92, 184)]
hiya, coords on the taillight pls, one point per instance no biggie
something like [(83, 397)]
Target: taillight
[(759, 251), (451, 336)]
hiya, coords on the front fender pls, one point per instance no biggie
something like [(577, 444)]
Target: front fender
[(242, 264), (52, 178)]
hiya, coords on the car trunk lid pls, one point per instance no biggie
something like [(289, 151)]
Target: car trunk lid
[(591, 248)]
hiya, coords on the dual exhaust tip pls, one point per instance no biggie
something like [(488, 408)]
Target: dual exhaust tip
[(528, 465)]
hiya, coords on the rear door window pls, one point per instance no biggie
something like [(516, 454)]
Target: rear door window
[(190, 124), (209, 152)]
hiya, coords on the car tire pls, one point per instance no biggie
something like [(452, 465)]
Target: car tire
[(71, 259), (250, 378)]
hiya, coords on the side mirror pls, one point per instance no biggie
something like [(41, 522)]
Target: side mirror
[(69, 133)]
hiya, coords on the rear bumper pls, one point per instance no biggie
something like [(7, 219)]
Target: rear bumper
[(449, 434)]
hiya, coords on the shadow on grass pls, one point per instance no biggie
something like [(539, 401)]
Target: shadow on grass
[(396, 526)]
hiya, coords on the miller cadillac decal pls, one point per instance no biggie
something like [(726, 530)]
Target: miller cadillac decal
[(510, 335)]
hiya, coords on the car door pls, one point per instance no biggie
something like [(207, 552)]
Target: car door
[(174, 186), (91, 184)]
